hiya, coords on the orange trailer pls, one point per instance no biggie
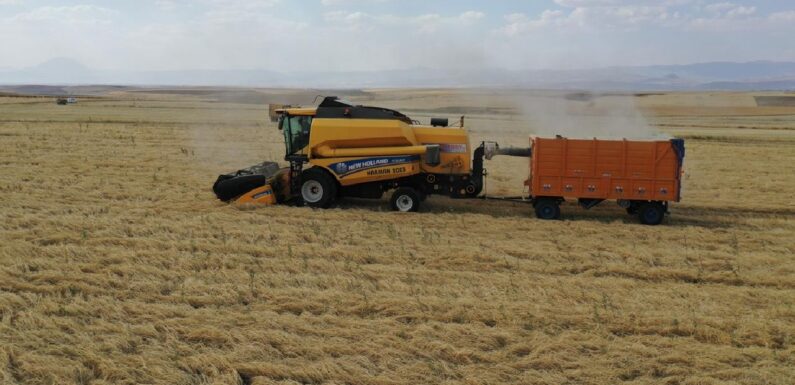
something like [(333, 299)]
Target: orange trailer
[(641, 175)]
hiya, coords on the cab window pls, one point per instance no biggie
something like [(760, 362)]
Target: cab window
[(296, 132)]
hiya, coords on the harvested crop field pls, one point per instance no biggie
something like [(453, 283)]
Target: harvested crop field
[(118, 265), (776, 101)]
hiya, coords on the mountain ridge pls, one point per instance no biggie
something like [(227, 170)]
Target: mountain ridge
[(721, 75)]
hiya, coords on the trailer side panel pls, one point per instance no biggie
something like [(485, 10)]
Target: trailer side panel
[(606, 169)]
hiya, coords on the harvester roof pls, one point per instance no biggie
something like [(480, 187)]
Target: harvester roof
[(333, 107), (295, 111)]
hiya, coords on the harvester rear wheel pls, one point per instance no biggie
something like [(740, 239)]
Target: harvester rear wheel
[(405, 199), (318, 188), (651, 213), (547, 208)]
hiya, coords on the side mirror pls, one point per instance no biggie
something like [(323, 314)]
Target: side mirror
[(281, 122)]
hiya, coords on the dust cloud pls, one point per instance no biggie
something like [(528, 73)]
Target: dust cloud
[(583, 115), (233, 129), (225, 142)]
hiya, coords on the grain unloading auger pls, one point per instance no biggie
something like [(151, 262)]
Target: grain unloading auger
[(339, 149)]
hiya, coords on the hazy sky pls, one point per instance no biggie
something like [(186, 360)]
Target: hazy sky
[(390, 34)]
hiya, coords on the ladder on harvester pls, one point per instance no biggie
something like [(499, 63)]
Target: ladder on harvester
[(296, 168)]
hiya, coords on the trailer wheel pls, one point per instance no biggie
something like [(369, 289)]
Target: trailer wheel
[(651, 213), (318, 188), (405, 199), (547, 209)]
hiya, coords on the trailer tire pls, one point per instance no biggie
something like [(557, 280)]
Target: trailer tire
[(405, 199), (651, 213), (547, 208), (318, 188)]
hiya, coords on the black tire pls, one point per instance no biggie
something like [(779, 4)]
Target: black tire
[(651, 213), (547, 208), (318, 188), (227, 187), (405, 199), (237, 183)]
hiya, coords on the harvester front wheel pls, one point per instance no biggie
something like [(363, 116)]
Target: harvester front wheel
[(405, 199), (318, 188), (547, 208)]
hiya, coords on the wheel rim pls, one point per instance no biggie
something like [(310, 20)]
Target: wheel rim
[(547, 211), (404, 203), (312, 191)]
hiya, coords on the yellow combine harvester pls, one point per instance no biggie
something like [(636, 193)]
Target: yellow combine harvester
[(339, 149)]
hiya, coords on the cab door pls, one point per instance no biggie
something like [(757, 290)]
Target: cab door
[(296, 130)]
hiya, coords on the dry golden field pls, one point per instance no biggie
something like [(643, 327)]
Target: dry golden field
[(118, 266)]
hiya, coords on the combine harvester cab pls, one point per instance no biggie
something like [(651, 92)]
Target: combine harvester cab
[(643, 176)]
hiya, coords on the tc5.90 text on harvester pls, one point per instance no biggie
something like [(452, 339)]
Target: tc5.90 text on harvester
[(339, 149)]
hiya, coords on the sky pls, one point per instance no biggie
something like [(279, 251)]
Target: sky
[(375, 35)]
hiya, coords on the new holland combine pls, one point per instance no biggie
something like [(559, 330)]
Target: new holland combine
[(339, 149)]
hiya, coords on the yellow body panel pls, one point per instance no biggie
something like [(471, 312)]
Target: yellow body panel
[(454, 143), (260, 195), (358, 133), (328, 152), (336, 141), (356, 170), (369, 150), (298, 111)]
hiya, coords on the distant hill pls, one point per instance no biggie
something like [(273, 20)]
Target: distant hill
[(758, 75)]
